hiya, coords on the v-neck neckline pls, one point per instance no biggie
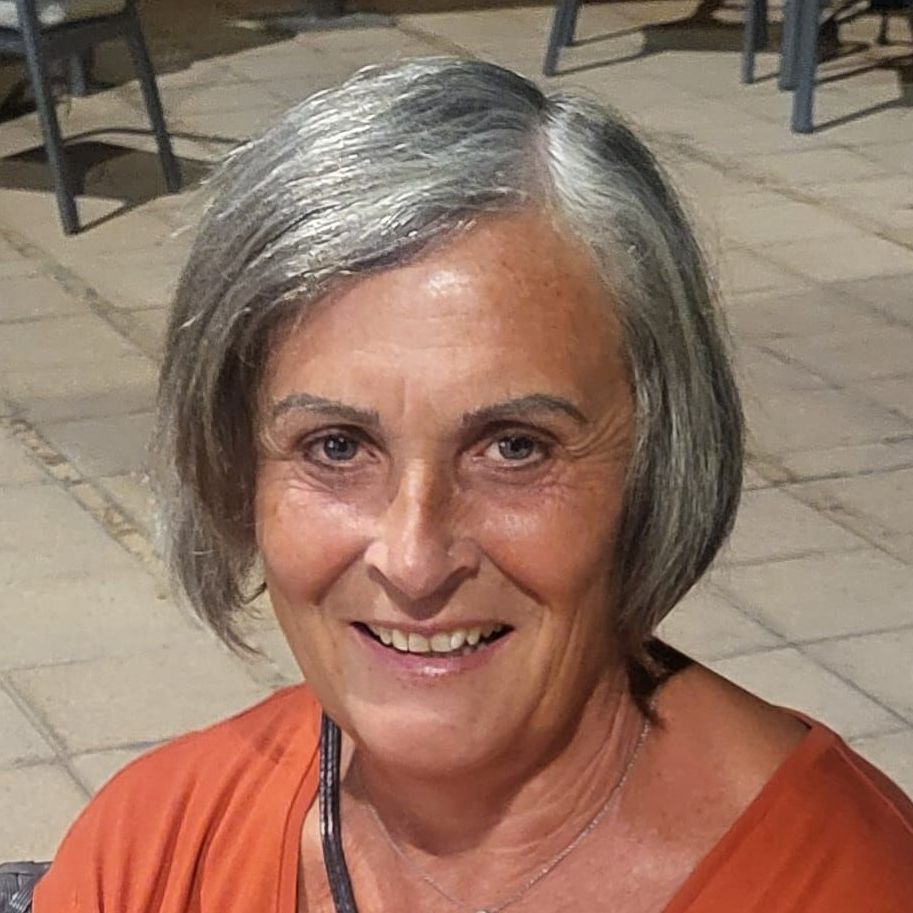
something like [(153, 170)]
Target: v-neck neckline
[(816, 740)]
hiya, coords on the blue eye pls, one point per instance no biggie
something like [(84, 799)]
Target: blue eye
[(339, 448), (517, 447)]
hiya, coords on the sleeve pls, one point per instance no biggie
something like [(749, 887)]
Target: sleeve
[(135, 832), (179, 829)]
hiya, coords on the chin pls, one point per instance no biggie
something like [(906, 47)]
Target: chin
[(424, 742)]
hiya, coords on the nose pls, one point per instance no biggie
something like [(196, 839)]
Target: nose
[(415, 551)]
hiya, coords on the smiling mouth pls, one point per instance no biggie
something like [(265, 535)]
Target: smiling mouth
[(444, 644)]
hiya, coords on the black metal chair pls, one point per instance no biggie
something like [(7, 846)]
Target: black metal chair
[(798, 52), (564, 24), (802, 28), (17, 884), (44, 31)]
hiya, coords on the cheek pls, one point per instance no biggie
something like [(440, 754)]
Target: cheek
[(557, 546), (306, 542)]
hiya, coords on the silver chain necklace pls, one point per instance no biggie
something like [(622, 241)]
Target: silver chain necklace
[(549, 866)]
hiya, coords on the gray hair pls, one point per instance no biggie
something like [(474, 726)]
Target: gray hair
[(366, 176)]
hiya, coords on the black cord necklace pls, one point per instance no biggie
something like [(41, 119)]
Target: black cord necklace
[(334, 858)]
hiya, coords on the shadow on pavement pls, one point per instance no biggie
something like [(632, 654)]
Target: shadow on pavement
[(101, 169)]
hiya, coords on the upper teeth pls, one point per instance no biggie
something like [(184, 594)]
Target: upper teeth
[(444, 642)]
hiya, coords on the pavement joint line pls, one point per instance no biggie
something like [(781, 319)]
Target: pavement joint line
[(732, 165), (888, 316), (752, 651), (46, 731), (121, 528), (836, 383), (842, 515), (790, 361), (799, 646), (862, 473), (760, 254), (145, 745), (77, 287), (902, 723), (805, 553), (49, 760), (726, 596), (780, 476), (90, 496), (434, 41), (767, 467), (831, 638), (729, 165), (899, 715), (857, 739), (878, 733), (274, 679)]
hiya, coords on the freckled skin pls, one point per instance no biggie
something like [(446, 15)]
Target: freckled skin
[(488, 774), (430, 524)]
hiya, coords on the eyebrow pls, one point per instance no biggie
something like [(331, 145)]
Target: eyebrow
[(323, 406), (522, 406)]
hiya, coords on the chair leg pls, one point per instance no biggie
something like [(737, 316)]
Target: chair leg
[(807, 64), (763, 34), (563, 12), (146, 74), (80, 68), (883, 30), (571, 24), (37, 64), (789, 45), (750, 39)]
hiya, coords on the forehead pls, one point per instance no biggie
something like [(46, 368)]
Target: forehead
[(512, 304)]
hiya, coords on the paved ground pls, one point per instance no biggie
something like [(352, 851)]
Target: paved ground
[(812, 604)]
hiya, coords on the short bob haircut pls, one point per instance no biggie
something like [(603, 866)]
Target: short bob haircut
[(368, 176)]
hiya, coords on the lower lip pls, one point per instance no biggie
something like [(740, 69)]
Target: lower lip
[(427, 665)]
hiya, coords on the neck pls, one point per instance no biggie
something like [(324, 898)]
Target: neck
[(515, 810)]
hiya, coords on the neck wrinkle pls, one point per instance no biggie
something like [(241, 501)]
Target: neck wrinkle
[(499, 824)]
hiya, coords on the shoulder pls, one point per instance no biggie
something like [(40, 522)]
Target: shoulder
[(207, 787), (853, 808), (785, 814), (702, 716), (829, 831)]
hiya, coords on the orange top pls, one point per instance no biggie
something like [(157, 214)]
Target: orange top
[(211, 823)]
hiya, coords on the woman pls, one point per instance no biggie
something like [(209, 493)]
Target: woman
[(443, 370)]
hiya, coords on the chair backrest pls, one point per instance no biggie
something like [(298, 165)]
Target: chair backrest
[(57, 12)]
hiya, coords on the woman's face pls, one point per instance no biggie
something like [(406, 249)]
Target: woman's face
[(444, 452)]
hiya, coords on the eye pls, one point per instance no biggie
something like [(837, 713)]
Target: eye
[(336, 447), (517, 448)]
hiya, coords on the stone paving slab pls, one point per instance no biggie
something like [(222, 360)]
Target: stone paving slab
[(811, 239), (707, 626), (117, 613), (790, 678), (805, 599), (880, 663), (892, 751), (46, 799), (146, 696)]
